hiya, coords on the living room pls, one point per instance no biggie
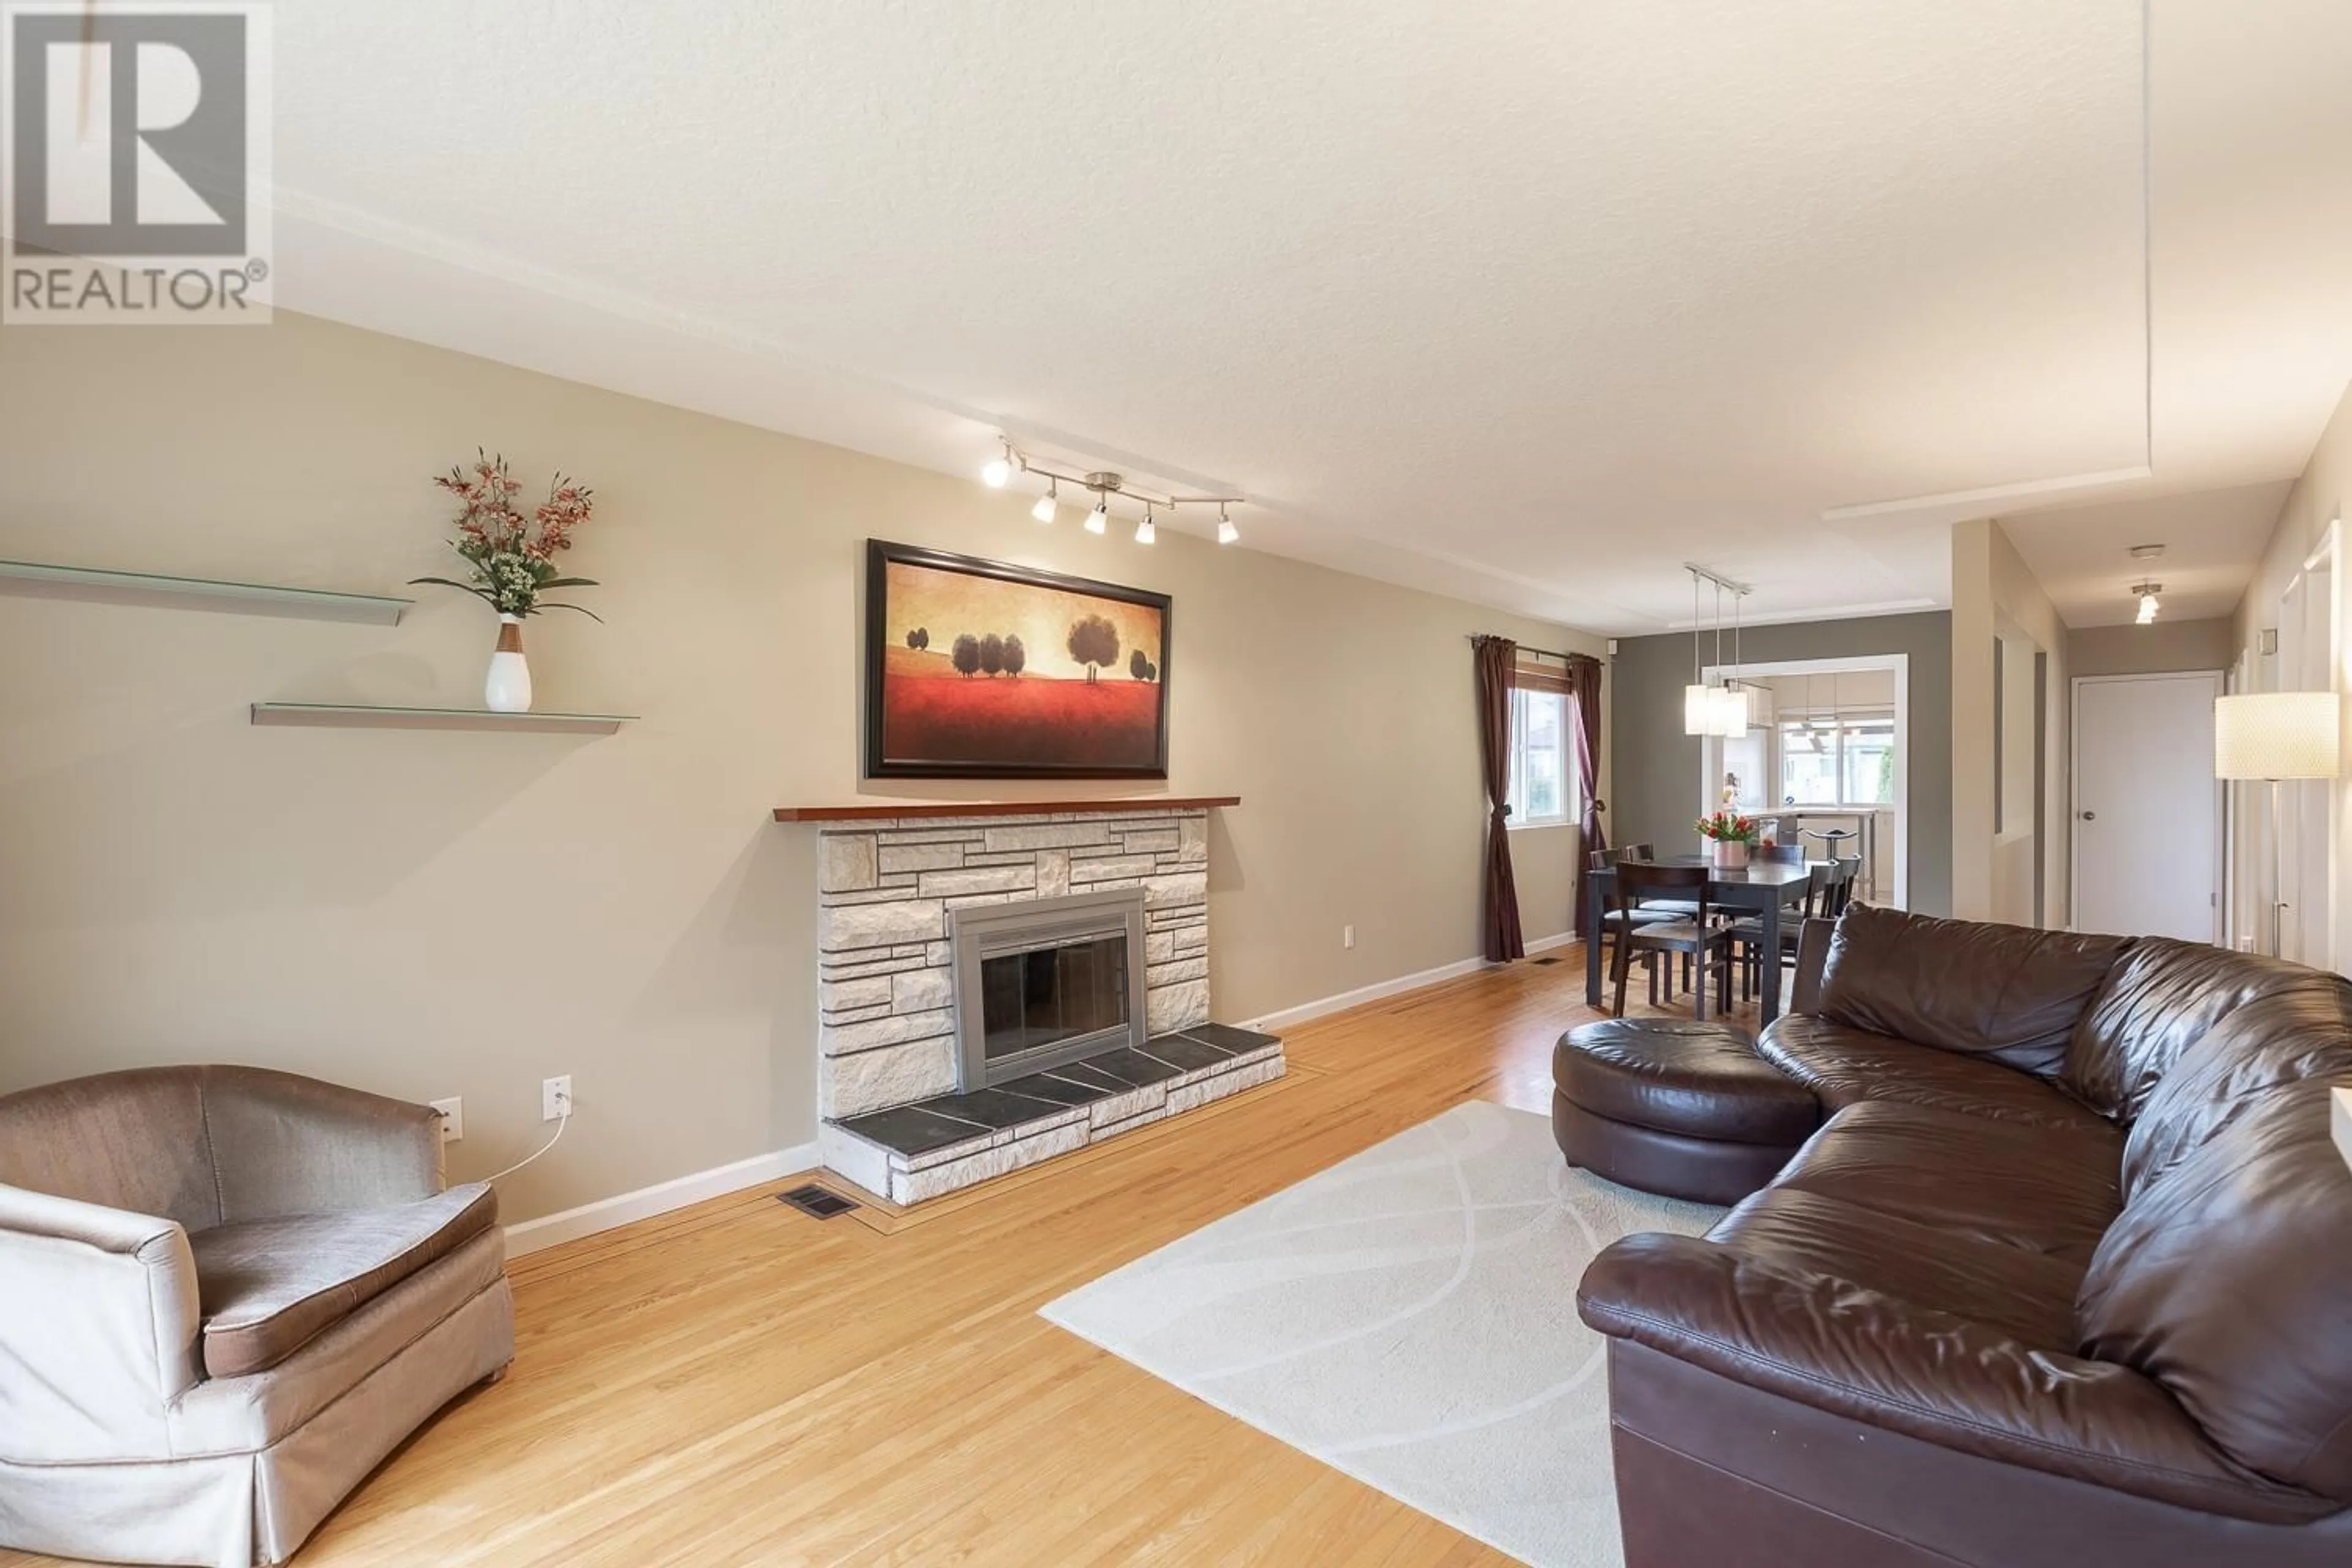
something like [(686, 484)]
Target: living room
[(881, 612)]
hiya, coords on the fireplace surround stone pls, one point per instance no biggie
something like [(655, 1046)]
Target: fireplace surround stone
[(886, 994)]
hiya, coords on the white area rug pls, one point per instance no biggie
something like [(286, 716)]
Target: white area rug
[(1409, 1316)]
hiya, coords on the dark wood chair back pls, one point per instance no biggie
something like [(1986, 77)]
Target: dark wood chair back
[(1637, 881), (1640, 852), (1841, 888)]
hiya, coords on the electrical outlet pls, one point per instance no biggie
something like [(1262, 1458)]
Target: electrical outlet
[(453, 1118), (555, 1099), (1347, 936)]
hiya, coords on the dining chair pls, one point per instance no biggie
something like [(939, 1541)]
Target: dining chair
[(1638, 888), (1614, 923), (1841, 888), (1821, 879)]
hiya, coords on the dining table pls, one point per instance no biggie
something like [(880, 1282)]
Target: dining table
[(1764, 889)]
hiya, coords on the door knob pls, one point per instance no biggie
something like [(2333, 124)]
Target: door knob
[(2090, 817)]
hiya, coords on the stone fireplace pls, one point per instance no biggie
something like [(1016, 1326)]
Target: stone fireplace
[(996, 989)]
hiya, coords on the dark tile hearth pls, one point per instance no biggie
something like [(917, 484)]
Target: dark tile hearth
[(1058, 1089), (913, 1129), (995, 1109), (1131, 1068), (1184, 1053), (1231, 1038), (947, 1119)]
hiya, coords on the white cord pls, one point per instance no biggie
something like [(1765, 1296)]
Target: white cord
[(561, 1122)]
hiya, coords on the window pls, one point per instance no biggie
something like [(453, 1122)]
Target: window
[(1847, 759), (1540, 764)]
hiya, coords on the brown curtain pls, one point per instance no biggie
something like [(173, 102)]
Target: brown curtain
[(1584, 694), (1496, 659)]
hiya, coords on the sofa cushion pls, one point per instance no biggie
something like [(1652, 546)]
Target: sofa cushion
[(2273, 1042), (1846, 1065), (2160, 999), (2009, 1183), (2006, 994), (2024, 1295), (268, 1286), (2228, 1279), (1673, 1074)]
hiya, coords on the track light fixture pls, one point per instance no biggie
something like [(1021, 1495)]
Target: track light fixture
[(997, 472), (1105, 485), (2146, 594)]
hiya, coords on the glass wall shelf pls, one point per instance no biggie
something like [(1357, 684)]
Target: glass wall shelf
[(362, 716), (144, 588)]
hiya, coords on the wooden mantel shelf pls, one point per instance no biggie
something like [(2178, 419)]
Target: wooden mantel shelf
[(909, 809)]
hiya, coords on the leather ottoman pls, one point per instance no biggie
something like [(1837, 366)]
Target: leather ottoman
[(1682, 1108)]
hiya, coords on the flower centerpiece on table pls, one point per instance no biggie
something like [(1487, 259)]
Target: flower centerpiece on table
[(512, 558), (1730, 837)]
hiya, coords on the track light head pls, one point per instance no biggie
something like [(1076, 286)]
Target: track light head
[(1226, 533), (1098, 519), (1044, 510), (998, 470), (1147, 530), (2145, 592)]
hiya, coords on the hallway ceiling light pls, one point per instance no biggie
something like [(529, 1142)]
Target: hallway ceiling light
[(998, 472), (2145, 592)]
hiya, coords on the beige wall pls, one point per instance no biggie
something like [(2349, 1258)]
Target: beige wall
[(2157, 649), (427, 914), (2317, 502), (1995, 595)]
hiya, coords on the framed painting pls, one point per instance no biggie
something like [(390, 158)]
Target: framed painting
[(980, 669)]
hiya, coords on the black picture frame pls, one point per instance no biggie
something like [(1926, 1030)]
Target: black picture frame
[(882, 554)]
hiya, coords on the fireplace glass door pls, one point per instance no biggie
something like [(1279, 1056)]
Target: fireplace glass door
[(1053, 996)]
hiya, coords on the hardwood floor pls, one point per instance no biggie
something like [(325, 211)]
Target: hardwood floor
[(738, 1383)]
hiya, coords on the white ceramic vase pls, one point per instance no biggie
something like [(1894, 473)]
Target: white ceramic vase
[(507, 689)]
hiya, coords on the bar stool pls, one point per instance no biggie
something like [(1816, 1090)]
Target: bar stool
[(1833, 840)]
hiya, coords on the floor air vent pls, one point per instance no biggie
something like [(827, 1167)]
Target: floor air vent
[(816, 1202)]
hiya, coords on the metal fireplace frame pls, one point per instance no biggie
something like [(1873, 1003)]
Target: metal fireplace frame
[(990, 931)]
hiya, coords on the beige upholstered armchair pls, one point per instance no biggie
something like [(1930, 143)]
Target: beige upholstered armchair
[(226, 1295)]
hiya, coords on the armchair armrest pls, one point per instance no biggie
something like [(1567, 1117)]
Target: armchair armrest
[(283, 1144), (1831, 1345), (99, 1320)]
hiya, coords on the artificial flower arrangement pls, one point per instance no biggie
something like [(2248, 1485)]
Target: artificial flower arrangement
[(513, 562), (1729, 827), (513, 565)]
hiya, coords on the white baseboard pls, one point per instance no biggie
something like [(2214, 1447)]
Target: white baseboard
[(1324, 1005), (622, 1208)]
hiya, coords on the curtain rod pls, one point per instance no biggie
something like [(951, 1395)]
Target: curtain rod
[(1541, 652)]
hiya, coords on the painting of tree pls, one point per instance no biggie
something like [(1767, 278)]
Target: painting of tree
[(1043, 675), (1093, 642)]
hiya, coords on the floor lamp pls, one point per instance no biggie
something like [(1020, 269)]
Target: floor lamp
[(2276, 736)]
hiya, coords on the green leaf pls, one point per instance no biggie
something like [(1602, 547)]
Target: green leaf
[(571, 583), (581, 608), (446, 582)]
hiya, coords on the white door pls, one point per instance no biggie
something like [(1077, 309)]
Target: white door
[(2148, 809)]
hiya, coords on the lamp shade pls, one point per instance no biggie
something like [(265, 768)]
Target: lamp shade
[(2276, 735), (1730, 714), (1698, 709)]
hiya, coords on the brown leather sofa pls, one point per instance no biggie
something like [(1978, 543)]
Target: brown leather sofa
[(2064, 1280)]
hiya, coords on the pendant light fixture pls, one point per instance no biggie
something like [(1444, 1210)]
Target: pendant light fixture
[(1731, 698), (1699, 701)]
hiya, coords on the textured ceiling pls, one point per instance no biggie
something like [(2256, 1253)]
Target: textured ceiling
[(1528, 302), (2213, 541)]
